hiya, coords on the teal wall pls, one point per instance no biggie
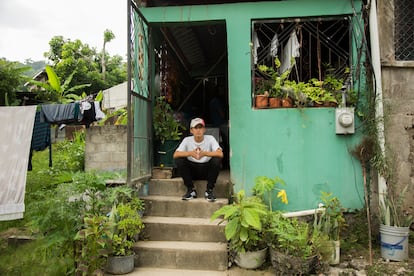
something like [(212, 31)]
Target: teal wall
[(298, 145)]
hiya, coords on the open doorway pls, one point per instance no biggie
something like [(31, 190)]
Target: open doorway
[(191, 73)]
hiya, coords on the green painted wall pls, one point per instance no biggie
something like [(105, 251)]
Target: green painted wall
[(298, 145)]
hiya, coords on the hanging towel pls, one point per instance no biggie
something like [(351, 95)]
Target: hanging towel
[(40, 139), (16, 124), (60, 113), (290, 51)]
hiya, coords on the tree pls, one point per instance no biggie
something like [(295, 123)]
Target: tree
[(108, 36), (69, 56), (11, 76)]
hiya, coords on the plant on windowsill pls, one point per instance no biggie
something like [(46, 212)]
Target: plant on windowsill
[(280, 87), (261, 93)]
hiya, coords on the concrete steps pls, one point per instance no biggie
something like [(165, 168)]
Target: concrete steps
[(177, 229), (179, 234), (174, 206), (182, 255)]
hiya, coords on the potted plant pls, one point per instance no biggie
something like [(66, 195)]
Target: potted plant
[(289, 240), (328, 221), (279, 89), (395, 226), (111, 224), (293, 245), (261, 95), (91, 243), (323, 93), (244, 229), (167, 130), (126, 225)]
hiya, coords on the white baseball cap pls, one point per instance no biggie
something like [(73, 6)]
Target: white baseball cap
[(196, 121)]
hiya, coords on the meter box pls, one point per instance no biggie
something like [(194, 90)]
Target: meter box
[(344, 120)]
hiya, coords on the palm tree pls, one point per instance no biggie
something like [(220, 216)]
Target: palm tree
[(108, 36)]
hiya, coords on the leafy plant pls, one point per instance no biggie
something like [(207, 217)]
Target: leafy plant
[(264, 187), (127, 224), (330, 220), (120, 117), (93, 245), (277, 79), (392, 212), (289, 235), (166, 127), (245, 218), (73, 153), (61, 93)]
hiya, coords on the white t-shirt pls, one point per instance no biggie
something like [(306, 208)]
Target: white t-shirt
[(209, 143)]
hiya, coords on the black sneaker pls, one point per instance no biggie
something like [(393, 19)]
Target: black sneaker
[(209, 195), (190, 195)]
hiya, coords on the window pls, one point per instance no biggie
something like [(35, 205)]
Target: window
[(312, 49), (404, 29)]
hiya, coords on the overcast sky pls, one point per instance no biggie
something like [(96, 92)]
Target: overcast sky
[(27, 26)]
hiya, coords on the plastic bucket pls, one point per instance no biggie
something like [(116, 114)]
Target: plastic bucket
[(394, 242), (251, 259)]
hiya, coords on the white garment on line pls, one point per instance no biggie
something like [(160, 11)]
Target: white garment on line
[(290, 51), (16, 124), (99, 115), (256, 45)]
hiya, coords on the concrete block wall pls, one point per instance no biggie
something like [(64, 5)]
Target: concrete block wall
[(398, 100), (106, 148)]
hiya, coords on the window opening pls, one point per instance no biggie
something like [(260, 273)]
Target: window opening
[(300, 53), (404, 29)]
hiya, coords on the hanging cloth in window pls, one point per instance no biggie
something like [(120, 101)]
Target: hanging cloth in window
[(290, 52), (256, 44), (16, 125), (274, 45)]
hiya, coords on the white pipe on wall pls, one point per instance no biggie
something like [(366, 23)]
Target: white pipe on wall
[(376, 64), (302, 213)]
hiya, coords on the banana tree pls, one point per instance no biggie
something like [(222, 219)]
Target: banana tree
[(57, 92)]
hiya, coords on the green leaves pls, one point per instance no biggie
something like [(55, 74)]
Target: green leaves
[(59, 92), (265, 186), (330, 220), (166, 127), (245, 219)]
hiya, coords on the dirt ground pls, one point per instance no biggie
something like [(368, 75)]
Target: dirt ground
[(358, 262)]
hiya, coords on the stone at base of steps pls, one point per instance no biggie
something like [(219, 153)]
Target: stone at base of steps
[(234, 271)]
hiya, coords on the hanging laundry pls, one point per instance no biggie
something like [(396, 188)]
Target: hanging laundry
[(256, 44), (60, 113), (40, 139), (89, 115), (16, 124), (99, 115), (290, 52), (274, 45)]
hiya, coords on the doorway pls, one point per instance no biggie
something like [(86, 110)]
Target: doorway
[(191, 73)]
